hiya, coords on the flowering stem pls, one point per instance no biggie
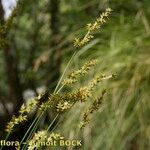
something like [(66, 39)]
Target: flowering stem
[(52, 122), (28, 130), (35, 123), (65, 71), (51, 125)]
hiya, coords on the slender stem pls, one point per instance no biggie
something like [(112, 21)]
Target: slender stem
[(35, 126), (33, 130), (50, 126), (64, 71), (28, 130), (60, 89), (52, 122)]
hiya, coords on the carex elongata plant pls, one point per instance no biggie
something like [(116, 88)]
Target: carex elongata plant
[(62, 102)]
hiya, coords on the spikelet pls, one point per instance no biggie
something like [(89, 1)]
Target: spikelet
[(17, 120), (72, 78), (41, 137), (85, 92), (45, 105), (81, 94), (93, 108), (99, 78), (38, 138), (24, 110), (31, 105), (54, 136), (63, 106), (91, 27)]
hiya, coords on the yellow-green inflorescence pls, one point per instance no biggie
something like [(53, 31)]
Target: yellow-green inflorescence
[(24, 110), (41, 138), (64, 101), (93, 108), (91, 27), (60, 102), (17, 120), (72, 77)]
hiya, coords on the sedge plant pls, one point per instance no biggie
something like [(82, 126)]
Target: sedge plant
[(62, 101)]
